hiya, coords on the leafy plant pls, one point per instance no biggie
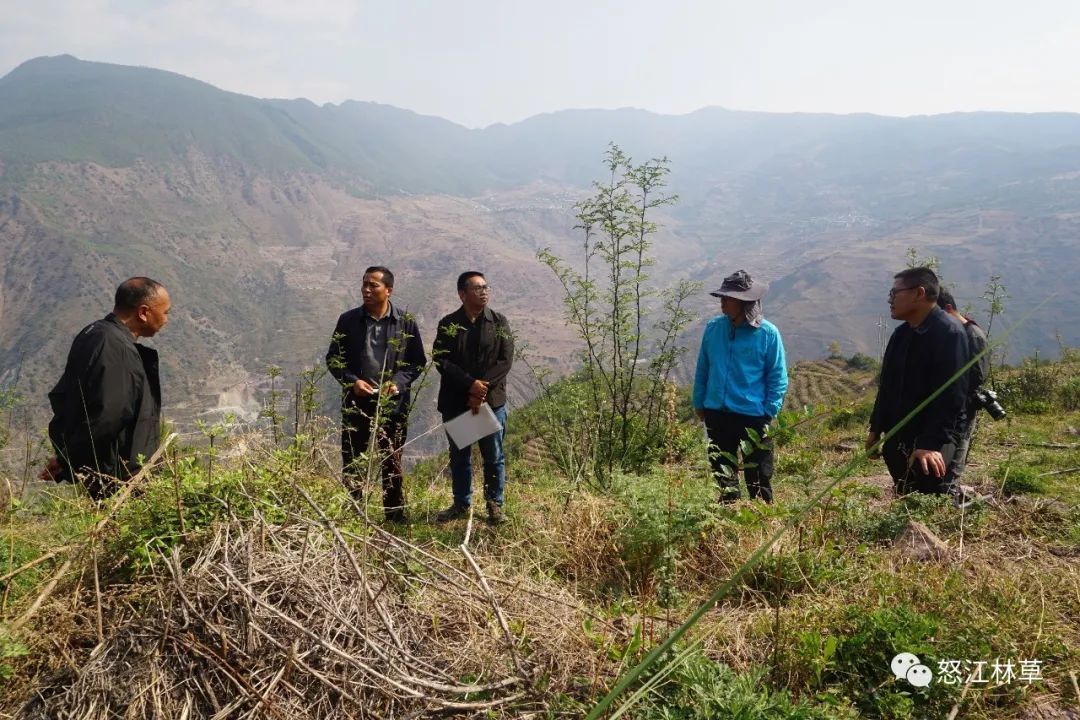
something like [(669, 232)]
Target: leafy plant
[(1032, 389), (1019, 479), (859, 361), (628, 358), (852, 416), (661, 515), (182, 500), (10, 648), (914, 260), (864, 655), (995, 296), (1069, 394), (702, 689)]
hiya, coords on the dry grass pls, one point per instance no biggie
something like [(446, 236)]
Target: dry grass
[(303, 621)]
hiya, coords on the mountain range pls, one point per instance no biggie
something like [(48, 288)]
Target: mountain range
[(260, 216)]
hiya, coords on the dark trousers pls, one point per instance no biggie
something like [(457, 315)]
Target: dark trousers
[(357, 424), (959, 462), (726, 431), (907, 478)]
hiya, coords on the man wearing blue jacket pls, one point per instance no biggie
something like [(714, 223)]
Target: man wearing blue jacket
[(739, 386)]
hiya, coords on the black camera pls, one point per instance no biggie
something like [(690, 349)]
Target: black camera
[(988, 401)]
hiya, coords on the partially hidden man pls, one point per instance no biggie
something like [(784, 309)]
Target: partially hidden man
[(925, 351), (474, 351), (107, 404), (376, 352), (739, 385), (976, 375)]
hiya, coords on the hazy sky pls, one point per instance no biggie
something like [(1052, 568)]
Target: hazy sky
[(483, 61)]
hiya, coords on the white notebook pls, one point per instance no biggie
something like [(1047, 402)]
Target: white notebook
[(467, 428)]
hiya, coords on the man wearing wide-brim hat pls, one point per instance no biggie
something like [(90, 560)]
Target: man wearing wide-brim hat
[(739, 387)]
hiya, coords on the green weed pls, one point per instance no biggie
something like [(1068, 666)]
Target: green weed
[(701, 689), (1016, 479)]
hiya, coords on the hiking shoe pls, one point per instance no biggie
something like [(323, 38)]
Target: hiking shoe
[(396, 516), (729, 496), (454, 512), (496, 516), (967, 496)]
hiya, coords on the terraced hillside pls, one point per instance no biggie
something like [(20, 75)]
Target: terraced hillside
[(825, 382)]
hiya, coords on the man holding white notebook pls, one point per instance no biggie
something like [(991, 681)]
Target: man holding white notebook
[(473, 352)]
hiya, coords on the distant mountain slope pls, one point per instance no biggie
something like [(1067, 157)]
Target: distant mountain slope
[(262, 214), (65, 109)]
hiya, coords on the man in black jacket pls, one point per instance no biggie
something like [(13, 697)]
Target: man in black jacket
[(376, 354), (923, 354), (107, 404), (474, 351)]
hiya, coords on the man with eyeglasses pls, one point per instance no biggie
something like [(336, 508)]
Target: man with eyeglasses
[(473, 352), (923, 355), (376, 354)]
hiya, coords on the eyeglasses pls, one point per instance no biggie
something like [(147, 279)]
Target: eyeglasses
[(896, 291), (479, 289)]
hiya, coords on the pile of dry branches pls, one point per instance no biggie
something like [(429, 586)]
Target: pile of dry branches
[(309, 620)]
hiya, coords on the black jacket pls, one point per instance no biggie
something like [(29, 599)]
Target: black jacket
[(465, 351), (405, 358), (917, 362), (107, 405)]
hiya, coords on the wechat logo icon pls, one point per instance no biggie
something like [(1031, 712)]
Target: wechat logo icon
[(907, 666)]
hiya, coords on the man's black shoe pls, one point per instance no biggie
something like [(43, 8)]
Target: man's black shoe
[(454, 512)]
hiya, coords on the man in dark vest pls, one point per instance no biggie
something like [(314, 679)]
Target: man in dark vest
[(376, 354), (107, 404)]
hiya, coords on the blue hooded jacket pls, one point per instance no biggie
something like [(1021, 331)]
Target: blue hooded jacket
[(743, 372)]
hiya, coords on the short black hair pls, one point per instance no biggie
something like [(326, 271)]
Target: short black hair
[(944, 297), (134, 292), (922, 277), (387, 276), (463, 279)]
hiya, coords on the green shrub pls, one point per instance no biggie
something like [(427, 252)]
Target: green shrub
[(783, 431), (1019, 479), (1030, 407), (660, 514), (859, 361), (701, 689), (850, 417), (800, 462), (874, 525), (564, 415), (182, 500), (1030, 390), (783, 574), (1069, 394), (10, 648), (864, 655)]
